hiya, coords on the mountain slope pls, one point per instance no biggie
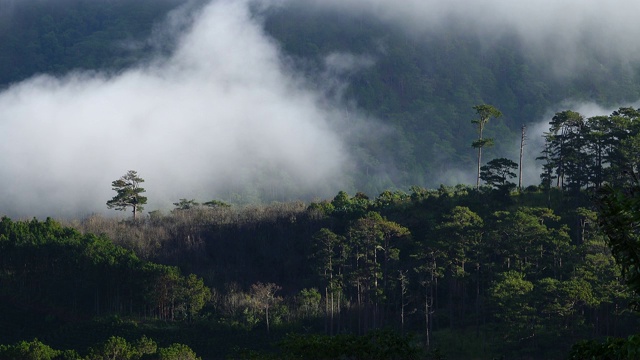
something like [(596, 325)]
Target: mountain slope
[(403, 98)]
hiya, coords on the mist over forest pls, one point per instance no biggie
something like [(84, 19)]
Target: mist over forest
[(306, 179), (253, 102)]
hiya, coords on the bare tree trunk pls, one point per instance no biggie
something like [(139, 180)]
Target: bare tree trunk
[(477, 299), (403, 292), (481, 127), (326, 310), (426, 317), (450, 298), (332, 311), (479, 162), (339, 310), (267, 317), (524, 127)]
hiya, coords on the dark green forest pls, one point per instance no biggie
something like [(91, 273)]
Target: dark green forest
[(454, 272), (57, 37), (545, 271)]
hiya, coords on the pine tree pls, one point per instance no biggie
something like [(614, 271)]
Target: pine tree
[(485, 112), (128, 193)]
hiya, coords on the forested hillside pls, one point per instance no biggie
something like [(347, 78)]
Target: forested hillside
[(391, 265), (421, 86), (57, 37), (466, 271)]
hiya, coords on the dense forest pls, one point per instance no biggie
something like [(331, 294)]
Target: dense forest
[(542, 271), (462, 272)]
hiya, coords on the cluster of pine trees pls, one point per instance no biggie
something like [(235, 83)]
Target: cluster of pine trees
[(585, 153), (78, 276)]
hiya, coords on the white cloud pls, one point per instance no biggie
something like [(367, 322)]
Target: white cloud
[(224, 110), (220, 112), (340, 62)]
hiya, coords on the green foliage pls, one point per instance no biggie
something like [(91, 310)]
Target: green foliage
[(610, 349), (184, 204), (515, 277), (114, 348), (145, 346), (497, 172), (377, 345), (349, 207), (373, 244), (81, 275), (216, 204), (177, 352), (324, 208), (511, 296), (309, 302), (29, 350), (525, 240), (195, 295), (519, 281), (619, 210), (458, 233), (484, 112), (590, 153), (560, 300), (129, 192), (388, 198)]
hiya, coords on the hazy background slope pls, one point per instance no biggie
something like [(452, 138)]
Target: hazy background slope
[(260, 101)]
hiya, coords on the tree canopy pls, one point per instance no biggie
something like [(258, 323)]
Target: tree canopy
[(129, 192), (484, 112)]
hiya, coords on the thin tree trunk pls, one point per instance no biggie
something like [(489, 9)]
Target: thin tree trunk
[(481, 126), (426, 317), (267, 316), (521, 152), (479, 161), (450, 296), (339, 310), (326, 310), (477, 299), (332, 306)]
